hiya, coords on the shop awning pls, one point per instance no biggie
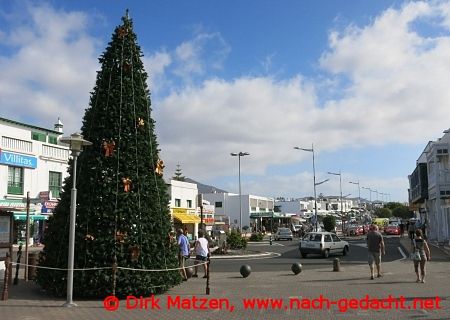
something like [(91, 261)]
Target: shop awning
[(263, 214), (34, 217), (186, 218)]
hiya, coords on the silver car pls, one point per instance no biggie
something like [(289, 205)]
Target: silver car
[(283, 233), (324, 243)]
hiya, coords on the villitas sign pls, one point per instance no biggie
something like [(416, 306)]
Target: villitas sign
[(18, 160)]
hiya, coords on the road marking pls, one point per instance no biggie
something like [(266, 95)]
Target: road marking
[(272, 255), (264, 243), (402, 253)]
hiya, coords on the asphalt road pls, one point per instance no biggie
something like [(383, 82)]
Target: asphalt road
[(288, 254)]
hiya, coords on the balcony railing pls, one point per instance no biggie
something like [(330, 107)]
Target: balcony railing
[(17, 145)]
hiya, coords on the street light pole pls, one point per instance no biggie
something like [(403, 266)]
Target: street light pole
[(239, 155), (376, 191), (314, 180), (340, 187), (370, 195), (359, 193), (76, 143)]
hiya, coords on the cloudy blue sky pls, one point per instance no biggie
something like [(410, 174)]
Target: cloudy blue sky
[(367, 82)]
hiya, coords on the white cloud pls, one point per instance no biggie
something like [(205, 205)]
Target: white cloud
[(202, 53), (156, 65), (51, 69), (392, 82), (397, 90)]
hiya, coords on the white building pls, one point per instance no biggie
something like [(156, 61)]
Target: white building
[(254, 208), (438, 202), (31, 161)]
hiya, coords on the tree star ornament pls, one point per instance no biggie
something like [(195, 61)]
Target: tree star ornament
[(126, 184), (159, 167)]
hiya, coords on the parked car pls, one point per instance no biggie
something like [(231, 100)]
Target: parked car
[(354, 230), (392, 228), (283, 233), (324, 243)]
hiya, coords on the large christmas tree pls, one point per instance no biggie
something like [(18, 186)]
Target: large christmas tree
[(122, 203)]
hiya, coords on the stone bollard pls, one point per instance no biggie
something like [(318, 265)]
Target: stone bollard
[(336, 264)]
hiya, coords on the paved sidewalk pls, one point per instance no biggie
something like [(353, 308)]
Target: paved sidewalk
[(28, 302)]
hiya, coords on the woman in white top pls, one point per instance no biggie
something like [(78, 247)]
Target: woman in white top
[(201, 253)]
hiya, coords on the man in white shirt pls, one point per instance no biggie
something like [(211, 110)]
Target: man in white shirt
[(201, 253)]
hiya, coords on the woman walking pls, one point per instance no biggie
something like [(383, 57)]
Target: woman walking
[(420, 244)]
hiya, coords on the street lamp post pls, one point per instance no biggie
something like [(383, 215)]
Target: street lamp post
[(314, 180), (376, 191), (239, 155), (340, 187), (76, 143), (370, 195), (359, 193)]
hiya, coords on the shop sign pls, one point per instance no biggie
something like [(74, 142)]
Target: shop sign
[(208, 208), (19, 160), (179, 211), (13, 204), (44, 195), (208, 220), (50, 204)]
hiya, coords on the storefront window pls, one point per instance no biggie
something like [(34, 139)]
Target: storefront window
[(15, 180)]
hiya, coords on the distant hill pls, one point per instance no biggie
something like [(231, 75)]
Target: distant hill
[(204, 188)]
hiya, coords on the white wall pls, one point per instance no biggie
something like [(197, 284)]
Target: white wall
[(16, 138), (184, 191)]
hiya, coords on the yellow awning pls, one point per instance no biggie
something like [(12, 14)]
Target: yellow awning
[(186, 218)]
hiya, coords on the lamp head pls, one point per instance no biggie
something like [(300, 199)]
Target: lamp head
[(75, 142)]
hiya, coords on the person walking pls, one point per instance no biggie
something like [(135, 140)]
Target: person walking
[(375, 246), (421, 245), (402, 228), (183, 252), (411, 229), (201, 253)]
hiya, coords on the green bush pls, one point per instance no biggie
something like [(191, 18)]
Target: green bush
[(256, 236), (236, 241), (329, 223)]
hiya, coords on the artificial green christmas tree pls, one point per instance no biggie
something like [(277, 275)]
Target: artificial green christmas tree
[(122, 203)]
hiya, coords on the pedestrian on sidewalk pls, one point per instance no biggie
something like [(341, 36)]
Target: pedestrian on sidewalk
[(421, 245), (375, 246), (201, 253), (183, 252), (411, 230), (402, 228)]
